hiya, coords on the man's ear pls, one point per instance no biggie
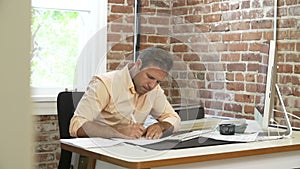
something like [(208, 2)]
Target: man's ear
[(139, 64)]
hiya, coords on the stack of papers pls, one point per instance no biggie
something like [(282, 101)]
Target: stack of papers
[(90, 142)]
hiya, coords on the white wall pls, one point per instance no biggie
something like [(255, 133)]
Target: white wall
[(15, 105)]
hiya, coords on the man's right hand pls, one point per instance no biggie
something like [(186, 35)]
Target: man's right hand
[(133, 131)]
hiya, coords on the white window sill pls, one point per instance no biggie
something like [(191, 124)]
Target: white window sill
[(44, 105)]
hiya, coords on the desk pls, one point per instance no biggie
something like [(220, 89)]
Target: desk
[(135, 157)]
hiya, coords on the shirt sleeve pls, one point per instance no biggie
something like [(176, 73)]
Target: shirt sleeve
[(163, 111), (91, 104)]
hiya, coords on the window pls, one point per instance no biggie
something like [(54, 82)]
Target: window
[(66, 49)]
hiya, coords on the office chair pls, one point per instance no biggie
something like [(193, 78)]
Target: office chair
[(66, 105)]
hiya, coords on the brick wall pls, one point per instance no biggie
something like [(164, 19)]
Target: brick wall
[(221, 50)]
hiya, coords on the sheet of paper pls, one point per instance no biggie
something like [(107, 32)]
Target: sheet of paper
[(91, 142), (236, 137), (141, 141)]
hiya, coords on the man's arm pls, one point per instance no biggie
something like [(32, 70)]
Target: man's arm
[(156, 130), (92, 129)]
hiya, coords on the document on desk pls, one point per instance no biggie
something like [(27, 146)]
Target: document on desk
[(244, 137), (94, 142), (141, 141)]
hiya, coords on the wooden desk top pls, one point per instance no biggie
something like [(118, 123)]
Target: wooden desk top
[(136, 157)]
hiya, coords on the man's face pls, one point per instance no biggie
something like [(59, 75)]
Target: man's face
[(147, 79)]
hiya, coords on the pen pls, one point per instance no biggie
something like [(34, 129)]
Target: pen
[(133, 118)]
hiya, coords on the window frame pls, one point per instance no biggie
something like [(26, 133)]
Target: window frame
[(44, 99)]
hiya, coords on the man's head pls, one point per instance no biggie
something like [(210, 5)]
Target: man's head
[(150, 69)]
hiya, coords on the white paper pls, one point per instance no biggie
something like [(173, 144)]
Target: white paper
[(140, 141), (236, 137), (94, 142)]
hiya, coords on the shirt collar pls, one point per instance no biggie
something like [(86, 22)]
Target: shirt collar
[(128, 80)]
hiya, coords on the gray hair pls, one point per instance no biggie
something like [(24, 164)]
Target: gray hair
[(156, 56)]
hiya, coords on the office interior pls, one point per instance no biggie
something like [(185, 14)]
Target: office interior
[(221, 47)]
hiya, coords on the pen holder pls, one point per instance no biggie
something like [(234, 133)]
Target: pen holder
[(227, 129)]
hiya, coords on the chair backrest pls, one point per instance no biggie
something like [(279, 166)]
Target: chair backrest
[(66, 105)]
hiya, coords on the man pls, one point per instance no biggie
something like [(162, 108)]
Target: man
[(117, 103)]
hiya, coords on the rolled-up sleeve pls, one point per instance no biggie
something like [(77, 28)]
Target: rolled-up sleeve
[(90, 106), (163, 111)]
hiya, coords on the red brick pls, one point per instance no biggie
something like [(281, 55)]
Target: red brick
[(287, 23), (212, 18), (245, 4), (292, 57), (199, 27), (158, 39), (219, 47), (122, 47), (252, 36), (251, 87), (121, 9), (115, 18), (214, 104), (234, 5), (239, 77), (295, 10), (285, 46), (215, 67), (183, 28), (297, 69), (236, 67), (285, 68), (191, 57), (193, 2), (263, 48), (253, 67), (180, 48), (256, 57), (206, 94), (284, 79), (295, 34), (261, 24), (202, 9), (233, 107), (197, 66), (253, 14), (230, 76), (161, 20), (235, 86), (233, 57), (224, 6), (116, 1), (240, 26), (216, 7), (268, 35), (220, 27), (193, 18), (232, 37), (121, 28), (179, 11), (249, 109), (161, 4), (214, 37), (216, 85), (230, 16), (295, 80), (238, 47), (114, 37), (246, 98), (250, 78), (147, 29)]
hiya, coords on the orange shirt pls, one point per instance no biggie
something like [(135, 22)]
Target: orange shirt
[(111, 99)]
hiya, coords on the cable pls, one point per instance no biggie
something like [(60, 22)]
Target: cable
[(290, 114)]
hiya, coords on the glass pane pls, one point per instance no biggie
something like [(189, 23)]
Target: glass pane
[(55, 47)]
